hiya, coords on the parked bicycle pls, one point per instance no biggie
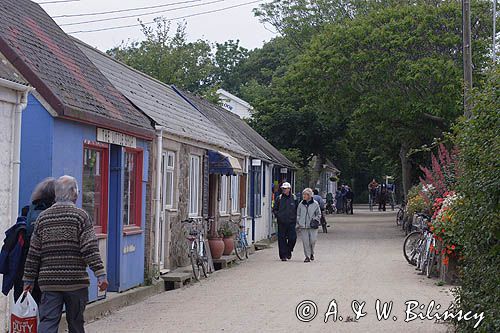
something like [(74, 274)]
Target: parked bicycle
[(197, 250), (240, 241), (419, 245), (401, 214)]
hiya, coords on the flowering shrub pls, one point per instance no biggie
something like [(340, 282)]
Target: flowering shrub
[(416, 202), (444, 225)]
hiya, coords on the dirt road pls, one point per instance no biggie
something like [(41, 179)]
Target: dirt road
[(359, 259)]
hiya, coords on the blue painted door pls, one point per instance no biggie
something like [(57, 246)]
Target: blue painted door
[(114, 224)]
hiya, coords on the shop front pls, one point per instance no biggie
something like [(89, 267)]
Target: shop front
[(112, 171)]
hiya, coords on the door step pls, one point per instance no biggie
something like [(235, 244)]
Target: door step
[(177, 279), (225, 262)]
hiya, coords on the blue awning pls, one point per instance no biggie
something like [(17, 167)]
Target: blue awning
[(223, 164)]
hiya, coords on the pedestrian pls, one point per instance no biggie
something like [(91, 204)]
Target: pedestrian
[(339, 200), (321, 203), (382, 197), (63, 244), (308, 220), (42, 198), (285, 210), (349, 196)]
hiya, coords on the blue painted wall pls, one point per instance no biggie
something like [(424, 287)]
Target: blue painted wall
[(36, 154)]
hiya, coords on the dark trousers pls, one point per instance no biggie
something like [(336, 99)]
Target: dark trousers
[(51, 310), (287, 236)]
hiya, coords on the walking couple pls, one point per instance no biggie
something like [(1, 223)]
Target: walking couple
[(292, 215), (47, 253)]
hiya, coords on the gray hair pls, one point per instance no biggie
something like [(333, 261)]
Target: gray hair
[(66, 189), (44, 191), (308, 191)]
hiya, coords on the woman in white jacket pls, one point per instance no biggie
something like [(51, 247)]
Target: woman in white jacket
[(308, 219)]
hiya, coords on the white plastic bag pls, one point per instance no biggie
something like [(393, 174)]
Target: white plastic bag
[(24, 315)]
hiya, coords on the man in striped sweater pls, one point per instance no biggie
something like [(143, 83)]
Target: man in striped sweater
[(63, 244)]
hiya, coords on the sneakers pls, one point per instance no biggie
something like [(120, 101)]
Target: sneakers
[(307, 259), (312, 257)]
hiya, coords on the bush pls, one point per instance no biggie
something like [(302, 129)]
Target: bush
[(478, 142)]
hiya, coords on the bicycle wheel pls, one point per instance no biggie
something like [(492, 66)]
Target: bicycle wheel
[(203, 260), (399, 217), (411, 247), (240, 248), (430, 263), (193, 256)]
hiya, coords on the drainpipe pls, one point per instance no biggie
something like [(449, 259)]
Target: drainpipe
[(270, 210), (157, 199), (22, 102)]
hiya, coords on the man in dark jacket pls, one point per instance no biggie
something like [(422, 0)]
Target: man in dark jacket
[(285, 210)]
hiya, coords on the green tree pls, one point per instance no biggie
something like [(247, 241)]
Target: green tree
[(478, 213), (392, 77), (169, 57)]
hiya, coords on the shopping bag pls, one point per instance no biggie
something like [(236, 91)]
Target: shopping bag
[(24, 315)]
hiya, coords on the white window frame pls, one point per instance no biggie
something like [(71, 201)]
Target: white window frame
[(235, 194), (194, 185), (223, 203), (168, 171)]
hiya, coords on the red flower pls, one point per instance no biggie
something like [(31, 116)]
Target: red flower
[(453, 247)]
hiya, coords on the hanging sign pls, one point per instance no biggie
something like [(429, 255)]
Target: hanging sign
[(115, 138)]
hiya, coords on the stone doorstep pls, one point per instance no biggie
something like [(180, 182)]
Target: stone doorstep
[(116, 301)]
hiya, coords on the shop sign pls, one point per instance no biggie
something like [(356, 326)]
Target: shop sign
[(115, 138)]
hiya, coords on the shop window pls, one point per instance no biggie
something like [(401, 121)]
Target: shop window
[(132, 188), (194, 185), (223, 195), (95, 184), (168, 164), (235, 189)]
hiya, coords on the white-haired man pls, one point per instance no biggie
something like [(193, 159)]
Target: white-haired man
[(63, 244), (285, 210)]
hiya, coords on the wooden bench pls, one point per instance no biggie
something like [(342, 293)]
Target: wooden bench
[(225, 262), (176, 280)]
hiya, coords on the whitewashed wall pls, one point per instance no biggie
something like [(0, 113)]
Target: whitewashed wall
[(7, 100)]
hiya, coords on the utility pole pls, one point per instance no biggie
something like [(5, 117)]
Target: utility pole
[(467, 57)]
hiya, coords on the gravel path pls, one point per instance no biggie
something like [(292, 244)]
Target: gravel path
[(359, 259)]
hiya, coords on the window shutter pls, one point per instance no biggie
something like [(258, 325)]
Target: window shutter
[(243, 191)]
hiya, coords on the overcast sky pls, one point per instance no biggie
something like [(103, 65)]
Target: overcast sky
[(236, 23)]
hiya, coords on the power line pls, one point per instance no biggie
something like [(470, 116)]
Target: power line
[(171, 19), (124, 10), (60, 1), (143, 14)]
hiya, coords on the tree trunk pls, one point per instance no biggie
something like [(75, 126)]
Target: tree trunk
[(316, 171), (405, 168)]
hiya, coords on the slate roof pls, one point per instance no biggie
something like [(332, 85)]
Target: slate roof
[(238, 129), (50, 61), (9, 73), (160, 102)]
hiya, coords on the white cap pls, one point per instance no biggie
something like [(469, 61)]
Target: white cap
[(286, 185)]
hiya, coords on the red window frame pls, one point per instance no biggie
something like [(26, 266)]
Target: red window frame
[(101, 226), (137, 214)]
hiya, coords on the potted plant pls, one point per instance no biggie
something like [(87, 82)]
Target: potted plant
[(228, 239), (215, 243)]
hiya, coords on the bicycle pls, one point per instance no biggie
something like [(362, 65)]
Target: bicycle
[(324, 225), (197, 251), (401, 214), (240, 241), (419, 245)]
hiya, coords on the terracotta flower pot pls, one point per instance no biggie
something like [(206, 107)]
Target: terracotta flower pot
[(216, 247), (228, 245)]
